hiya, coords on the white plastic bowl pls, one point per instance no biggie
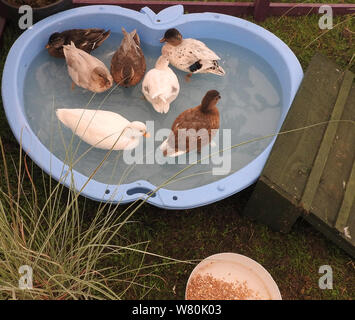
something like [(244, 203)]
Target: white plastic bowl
[(232, 267)]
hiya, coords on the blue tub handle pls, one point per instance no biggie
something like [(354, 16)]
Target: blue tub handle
[(141, 189), (165, 16)]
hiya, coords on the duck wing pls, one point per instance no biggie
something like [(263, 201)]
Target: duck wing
[(160, 87), (116, 61), (77, 65), (159, 83), (99, 128), (80, 65), (191, 126), (197, 50), (86, 39)]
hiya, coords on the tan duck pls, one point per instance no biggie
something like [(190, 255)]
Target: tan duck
[(84, 39), (128, 63), (86, 71), (201, 119)]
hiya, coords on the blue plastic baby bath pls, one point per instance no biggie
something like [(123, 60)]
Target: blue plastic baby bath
[(262, 78)]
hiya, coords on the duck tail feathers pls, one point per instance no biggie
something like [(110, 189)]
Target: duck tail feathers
[(69, 46), (159, 96), (221, 71), (161, 105), (168, 151), (217, 69), (102, 38), (124, 30)]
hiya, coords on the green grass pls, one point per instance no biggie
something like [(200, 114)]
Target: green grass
[(314, 1), (285, 1), (304, 37), (292, 259)]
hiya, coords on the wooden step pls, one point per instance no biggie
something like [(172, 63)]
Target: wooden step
[(311, 172)]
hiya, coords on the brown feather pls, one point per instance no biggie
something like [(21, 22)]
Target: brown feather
[(195, 118), (128, 64), (84, 39)]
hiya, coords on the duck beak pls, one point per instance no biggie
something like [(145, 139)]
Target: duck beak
[(146, 134), (47, 46), (162, 40)]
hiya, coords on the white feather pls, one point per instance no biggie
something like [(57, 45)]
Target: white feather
[(189, 52), (99, 128), (171, 152), (160, 86)]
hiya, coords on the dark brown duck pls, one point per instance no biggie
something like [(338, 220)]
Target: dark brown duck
[(203, 120), (84, 39)]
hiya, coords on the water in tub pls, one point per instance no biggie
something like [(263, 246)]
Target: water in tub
[(250, 107)]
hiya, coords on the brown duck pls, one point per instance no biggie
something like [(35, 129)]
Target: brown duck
[(84, 39), (128, 63), (201, 119)]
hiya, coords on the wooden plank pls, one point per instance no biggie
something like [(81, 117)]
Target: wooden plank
[(326, 93), (269, 205), (328, 138), (336, 175), (280, 187), (292, 157), (348, 201), (346, 213), (261, 9), (331, 233), (231, 8), (351, 227)]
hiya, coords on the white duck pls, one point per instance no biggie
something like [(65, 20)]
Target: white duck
[(190, 55), (103, 129), (85, 70), (160, 85)]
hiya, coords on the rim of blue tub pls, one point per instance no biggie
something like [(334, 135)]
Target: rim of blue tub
[(12, 85)]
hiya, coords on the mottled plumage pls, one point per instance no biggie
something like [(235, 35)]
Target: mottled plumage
[(84, 39), (128, 63), (190, 55)]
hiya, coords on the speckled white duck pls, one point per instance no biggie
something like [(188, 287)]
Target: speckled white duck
[(190, 55)]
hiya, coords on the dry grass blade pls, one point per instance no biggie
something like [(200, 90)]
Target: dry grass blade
[(64, 254)]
